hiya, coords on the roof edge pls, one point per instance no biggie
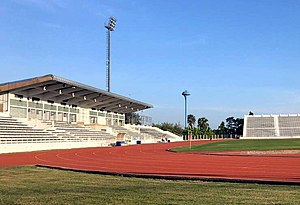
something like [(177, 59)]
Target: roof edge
[(6, 87), (64, 80), (14, 85)]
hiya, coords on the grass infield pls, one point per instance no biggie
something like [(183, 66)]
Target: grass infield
[(31, 185), (241, 145)]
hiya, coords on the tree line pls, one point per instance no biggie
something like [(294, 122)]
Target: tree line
[(231, 127)]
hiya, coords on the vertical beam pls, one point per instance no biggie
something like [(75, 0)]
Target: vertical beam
[(8, 104), (27, 106), (276, 126), (245, 125)]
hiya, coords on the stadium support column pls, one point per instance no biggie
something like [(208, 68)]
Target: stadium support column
[(110, 26), (276, 126), (185, 94), (245, 125)]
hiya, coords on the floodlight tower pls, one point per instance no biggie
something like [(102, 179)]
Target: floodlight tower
[(185, 94), (110, 26)]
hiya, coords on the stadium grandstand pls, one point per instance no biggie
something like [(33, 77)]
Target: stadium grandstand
[(271, 126), (51, 112)]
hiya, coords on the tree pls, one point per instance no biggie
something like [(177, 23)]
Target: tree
[(203, 125), (210, 133), (191, 120), (235, 126), (222, 129), (239, 123), (132, 118), (174, 128), (202, 129), (230, 125)]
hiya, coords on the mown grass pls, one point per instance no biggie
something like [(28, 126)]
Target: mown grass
[(240, 145), (31, 185)]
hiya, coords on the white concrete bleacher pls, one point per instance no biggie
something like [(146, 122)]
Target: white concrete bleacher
[(271, 126), (80, 132), (151, 134), (129, 136), (289, 125), (13, 131), (18, 136), (133, 134)]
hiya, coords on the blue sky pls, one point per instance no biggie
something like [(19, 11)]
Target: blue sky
[(233, 56)]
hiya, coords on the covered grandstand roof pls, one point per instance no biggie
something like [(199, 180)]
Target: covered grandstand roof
[(60, 90)]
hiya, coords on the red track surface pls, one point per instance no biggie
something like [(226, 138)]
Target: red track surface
[(154, 160)]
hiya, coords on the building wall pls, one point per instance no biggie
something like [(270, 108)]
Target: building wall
[(43, 110)]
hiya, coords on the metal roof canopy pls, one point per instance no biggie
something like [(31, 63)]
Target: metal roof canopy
[(60, 90)]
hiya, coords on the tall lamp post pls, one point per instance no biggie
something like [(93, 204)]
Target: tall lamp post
[(185, 94), (110, 26)]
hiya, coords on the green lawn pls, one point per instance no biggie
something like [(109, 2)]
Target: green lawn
[(31, 185), (239, 145)]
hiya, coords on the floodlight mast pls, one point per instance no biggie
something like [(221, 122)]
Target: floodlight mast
[(185, 94), (110, 26)]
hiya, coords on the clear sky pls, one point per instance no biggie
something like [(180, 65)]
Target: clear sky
[(233, 56)]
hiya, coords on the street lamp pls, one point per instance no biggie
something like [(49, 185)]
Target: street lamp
[(110, 26), (185, 94)]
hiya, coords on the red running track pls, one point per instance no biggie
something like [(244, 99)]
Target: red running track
[(153, 160)]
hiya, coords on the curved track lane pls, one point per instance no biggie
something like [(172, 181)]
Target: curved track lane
[(154, 160)]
